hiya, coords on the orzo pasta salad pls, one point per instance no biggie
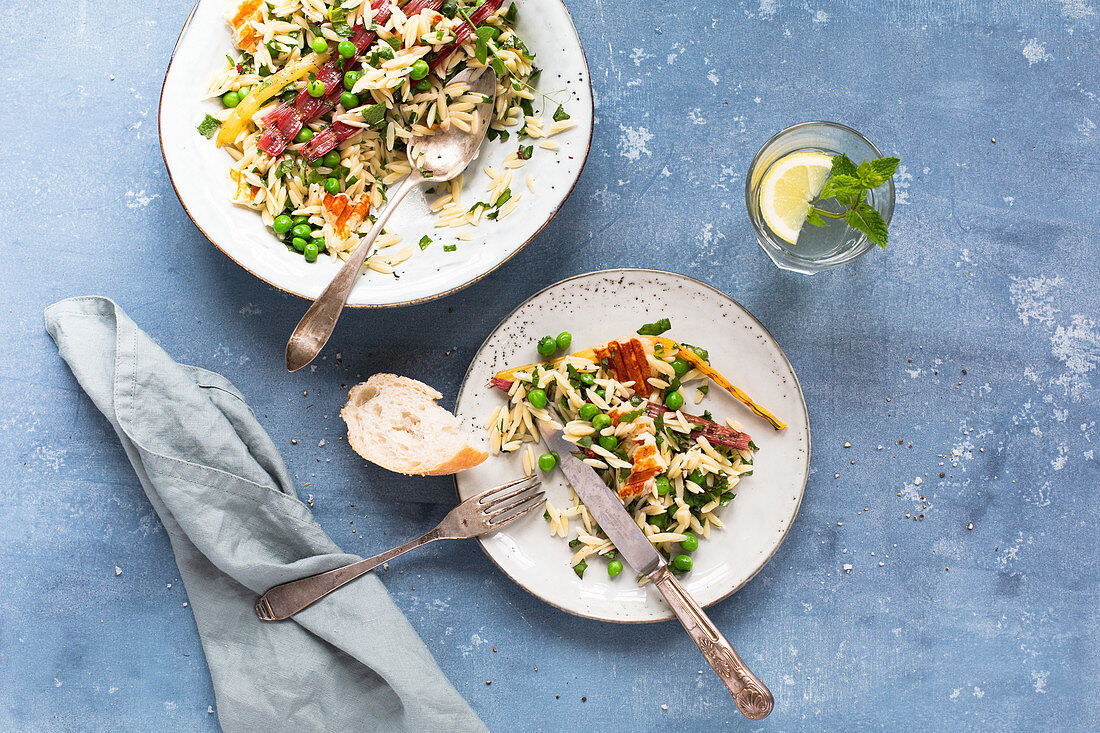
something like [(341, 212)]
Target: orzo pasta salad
[(320, 97), (624, 406)]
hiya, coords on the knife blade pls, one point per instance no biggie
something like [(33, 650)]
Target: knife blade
[(604, 506), (752, 696)]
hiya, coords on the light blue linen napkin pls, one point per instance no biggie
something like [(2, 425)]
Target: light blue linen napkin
[(350, 662)]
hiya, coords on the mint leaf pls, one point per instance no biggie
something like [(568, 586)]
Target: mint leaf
[(374, 114), (886, 166), (656, 328), (846, 189), (843, 166), (815, 218), (867, 220), (561, 114), (481, 50), (209, 126), (877, 172)]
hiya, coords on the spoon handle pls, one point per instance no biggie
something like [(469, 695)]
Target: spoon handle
[(313, 331)]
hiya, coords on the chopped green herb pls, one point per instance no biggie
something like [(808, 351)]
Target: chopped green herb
[(631, 416), (656, 328), (450, 247), (503, 198), (561, 114), (425, 242), (285, 166), (374, 114), (525, 151), (209, 126)]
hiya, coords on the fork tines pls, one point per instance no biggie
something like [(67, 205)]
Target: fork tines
[(500, 493)]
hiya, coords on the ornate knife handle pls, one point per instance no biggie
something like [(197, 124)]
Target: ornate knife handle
[(753, 698)]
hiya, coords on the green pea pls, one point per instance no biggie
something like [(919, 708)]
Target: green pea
[(588, 411), (310, 252), (299, 244), (564, 340), (282, 224), (332, 186), (302, 230), (601, 393), (601, 421), (243, 91), (608, 442), (349, 100), (346, 49), (351, 78), (304, 135), (588, 379), (614, 568), (682, 563), (674, 400), (315, 88), (547, 346), (231, 99), (681, 367), (547, 461), (423, 86), (319, 243), (385, 51), (301, 219), (690, 543), (537, 398), (319, 45), (332, 159), (663, 485), (419, 70)]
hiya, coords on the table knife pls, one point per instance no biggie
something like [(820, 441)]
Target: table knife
[(752, 696)]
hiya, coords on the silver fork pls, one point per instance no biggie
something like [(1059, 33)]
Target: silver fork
[(478, 515)]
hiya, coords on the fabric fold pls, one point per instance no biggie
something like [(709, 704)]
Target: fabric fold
[(236, 526)]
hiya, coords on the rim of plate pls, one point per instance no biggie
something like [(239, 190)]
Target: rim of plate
[(802, 398), (415, 301)]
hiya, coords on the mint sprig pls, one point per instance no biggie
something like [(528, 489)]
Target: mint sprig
[(849, 183)]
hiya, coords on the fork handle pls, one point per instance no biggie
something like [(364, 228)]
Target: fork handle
[(283, 601), (752, 696)]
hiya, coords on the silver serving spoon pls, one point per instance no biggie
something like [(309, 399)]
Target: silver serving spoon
[(434, 159)]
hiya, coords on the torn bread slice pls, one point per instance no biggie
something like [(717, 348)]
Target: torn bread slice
[(395, 423)]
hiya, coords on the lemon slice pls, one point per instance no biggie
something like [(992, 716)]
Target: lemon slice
[(788, 188)]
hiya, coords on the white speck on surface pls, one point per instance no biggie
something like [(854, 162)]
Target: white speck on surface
[(139, 200), (170, 706), (713, 76), (1059, 461), (1009, 200), (664, 707), (210, 709), (1034, 297), (819, 16), (1077, 346), (638, 55), (902, 179), (1086, 127), (847, 567), (321, 443), (54, 458), (250, 310), (978, 692), (955, 693), (118, 571), (1035, 51), (632, 144), (696, 117), (1076, 9), (767, 9)]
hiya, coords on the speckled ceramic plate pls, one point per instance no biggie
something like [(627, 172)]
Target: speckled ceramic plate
[(199, 172), (602, 306)]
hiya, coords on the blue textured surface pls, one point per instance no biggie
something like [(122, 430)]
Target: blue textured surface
[(992, 270)]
